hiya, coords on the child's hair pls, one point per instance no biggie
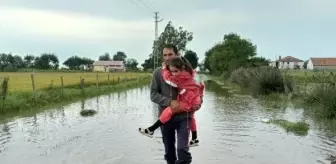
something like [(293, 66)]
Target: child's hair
[(181, 63)]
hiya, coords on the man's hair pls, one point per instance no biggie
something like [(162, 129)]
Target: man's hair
[(173, 47)]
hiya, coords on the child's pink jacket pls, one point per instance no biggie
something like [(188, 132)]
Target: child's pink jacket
[(190, 92)]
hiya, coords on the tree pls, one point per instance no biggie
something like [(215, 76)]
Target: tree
[(232, 53), (88, 63), (257, 62), (8, 62), (208, 56), (120, 56), (18, 62), (5, 61), (171, 35), (131, 64), (29, 61), (148, 64), (73, 62), (78, 63), (191, 56), (46, 61), (179, 37), (105, 57)]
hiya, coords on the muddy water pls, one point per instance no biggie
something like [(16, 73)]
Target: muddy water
[(230, 131)]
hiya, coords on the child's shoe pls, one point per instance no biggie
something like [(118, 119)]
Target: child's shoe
[(193, 143), (146, 132)]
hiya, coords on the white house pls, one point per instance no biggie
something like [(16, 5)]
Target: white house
[(321, 64), (288, 62), (109, 66)]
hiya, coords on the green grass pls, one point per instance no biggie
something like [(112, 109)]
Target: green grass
[(297, 128), (323, 97), (88, 112), (306, 76), (262, 80), (22, 81), (270, 85), (305, 72), (18, 102)]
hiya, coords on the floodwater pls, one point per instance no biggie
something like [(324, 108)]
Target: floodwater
[(230, 131)]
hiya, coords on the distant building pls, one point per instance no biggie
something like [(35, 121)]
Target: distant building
[(109, 66), (288, 62), (321, 64)]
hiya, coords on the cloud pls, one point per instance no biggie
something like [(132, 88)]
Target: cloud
[(63, 25)]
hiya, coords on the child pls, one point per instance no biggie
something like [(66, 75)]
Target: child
[(181, 75)]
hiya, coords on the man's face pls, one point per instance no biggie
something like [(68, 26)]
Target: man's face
[(168, 53)]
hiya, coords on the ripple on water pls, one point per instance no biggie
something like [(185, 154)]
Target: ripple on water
[(229, 131)]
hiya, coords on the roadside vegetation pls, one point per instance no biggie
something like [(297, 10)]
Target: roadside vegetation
[(16, 100)]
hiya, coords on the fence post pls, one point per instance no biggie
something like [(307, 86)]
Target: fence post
[(51, 84), (97, 80), (4, 91), (62, 86), (108, 79), (125, 81), (118, 79), (82, 86), (33, 84), (305, 82)]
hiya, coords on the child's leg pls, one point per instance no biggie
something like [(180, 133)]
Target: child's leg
[(194, 141), (193, 128), (164, 117)]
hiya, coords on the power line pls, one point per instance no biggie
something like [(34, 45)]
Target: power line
[(144, 4), (156, 21), (137, 4)]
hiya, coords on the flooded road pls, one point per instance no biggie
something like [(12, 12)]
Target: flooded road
[(230, 131)]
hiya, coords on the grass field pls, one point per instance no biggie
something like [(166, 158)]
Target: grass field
[(21, 98), (309, 73), (21, 81)]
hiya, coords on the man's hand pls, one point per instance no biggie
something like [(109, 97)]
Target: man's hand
[(177, 110), (196, 108), (175, 107), (174, 104)]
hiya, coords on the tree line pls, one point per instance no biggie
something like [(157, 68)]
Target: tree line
[(9, 62), (49, 61), (229, 54)]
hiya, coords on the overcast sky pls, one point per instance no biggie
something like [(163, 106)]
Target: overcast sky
[(300, 28)]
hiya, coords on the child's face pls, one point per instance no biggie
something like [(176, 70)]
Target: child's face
[(174, 70)]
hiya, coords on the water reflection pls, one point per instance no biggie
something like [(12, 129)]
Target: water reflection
[(5, 137), (97, 103), (229, 131), (83, 104)]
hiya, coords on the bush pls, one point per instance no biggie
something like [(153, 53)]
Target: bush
[(242, 77), (324, 95), (262, 80)]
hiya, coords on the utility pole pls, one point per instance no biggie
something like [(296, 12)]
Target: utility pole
[(155, 51)]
